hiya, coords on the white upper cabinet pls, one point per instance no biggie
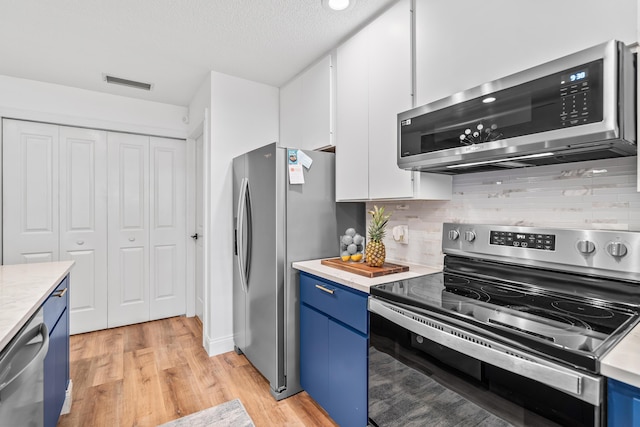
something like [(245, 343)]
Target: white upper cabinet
[(466, 43), (306, 113), (373, 85)]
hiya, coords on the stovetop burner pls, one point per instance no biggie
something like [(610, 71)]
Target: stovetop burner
[(583, 310), (467, 292), (502, 292)]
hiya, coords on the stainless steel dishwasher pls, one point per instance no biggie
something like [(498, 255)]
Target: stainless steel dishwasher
[(22, 375)]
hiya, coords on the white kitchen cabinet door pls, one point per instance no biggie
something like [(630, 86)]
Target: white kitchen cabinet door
[(167, 228), (316, 106), (30, 192), (83, 224), (373, 83), (495, 38), (389, 94), (352, 118), (128, 241), (291, 114), (306, 110)]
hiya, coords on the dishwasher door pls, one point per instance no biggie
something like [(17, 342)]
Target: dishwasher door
[(22, 375)]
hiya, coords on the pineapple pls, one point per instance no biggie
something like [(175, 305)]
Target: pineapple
[(375, 250)]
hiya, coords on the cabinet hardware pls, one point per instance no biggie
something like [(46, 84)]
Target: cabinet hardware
[(195, 236), (60, 293), (322, 288)]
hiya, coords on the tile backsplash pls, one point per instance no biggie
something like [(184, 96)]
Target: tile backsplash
[(597, 194)]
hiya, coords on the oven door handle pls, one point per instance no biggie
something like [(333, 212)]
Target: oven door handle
[(582, 386)]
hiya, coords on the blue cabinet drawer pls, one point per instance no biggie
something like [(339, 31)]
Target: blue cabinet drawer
[(55, 305), (346, 305)]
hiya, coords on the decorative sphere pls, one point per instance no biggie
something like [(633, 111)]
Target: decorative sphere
[(347, 240), (352, 249), (358, 239)]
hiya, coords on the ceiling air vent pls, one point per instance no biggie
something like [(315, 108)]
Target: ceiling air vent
[(126, 82)]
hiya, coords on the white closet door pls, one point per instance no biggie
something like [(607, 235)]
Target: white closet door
[(128, 241), (30, 192), (167, 228), (83, 224)]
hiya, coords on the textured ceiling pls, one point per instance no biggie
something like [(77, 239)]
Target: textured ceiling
[(170, 43)]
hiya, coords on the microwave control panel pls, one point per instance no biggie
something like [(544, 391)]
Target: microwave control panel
[(574, 91)]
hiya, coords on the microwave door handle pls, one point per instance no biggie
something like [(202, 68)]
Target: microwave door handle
[(247, 260), (240, 233)]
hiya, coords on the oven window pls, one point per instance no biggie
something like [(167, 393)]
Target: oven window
[(569, 98), (416, 382)]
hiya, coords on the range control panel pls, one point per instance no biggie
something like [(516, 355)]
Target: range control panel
[(545, 242), (608, 253)]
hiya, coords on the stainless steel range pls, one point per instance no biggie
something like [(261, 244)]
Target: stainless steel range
[(523, 313)]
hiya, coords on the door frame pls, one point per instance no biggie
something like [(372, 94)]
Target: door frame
[(201, 129)]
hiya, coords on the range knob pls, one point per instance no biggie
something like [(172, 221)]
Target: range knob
[(469, 236), (453, 234), (617, 249), (586, 246)]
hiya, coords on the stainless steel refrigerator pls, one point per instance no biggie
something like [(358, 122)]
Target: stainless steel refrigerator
[(277, 223)]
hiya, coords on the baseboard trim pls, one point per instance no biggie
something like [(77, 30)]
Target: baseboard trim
[(66, 406), (219, 345)]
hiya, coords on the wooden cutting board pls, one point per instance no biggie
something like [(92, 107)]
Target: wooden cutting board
[(363, 269)]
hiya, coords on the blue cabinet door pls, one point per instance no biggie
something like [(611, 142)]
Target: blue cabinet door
[(56, 366), (348, 377), (56, 363), (334, 348), (623, 404), (314, 354)]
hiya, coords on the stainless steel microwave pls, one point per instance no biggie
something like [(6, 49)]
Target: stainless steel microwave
[(579, 107)]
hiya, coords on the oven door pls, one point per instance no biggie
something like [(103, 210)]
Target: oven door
[(423, 371)]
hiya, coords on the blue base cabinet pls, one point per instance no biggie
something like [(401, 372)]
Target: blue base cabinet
[(56, 363), (623, 404), (334, 342)]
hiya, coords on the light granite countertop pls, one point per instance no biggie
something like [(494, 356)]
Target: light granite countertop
[(356, 281), (622, 363), (23, 289)]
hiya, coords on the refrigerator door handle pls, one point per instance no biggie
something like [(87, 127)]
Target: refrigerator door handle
[(240, 232), (247, 260)]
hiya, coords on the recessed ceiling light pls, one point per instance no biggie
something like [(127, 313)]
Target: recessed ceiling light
[(338, 5), (488, 100)]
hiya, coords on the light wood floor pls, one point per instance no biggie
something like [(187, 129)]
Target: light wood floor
[(154, 372)]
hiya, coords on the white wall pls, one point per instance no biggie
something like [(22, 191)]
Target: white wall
[(39, 101), (244, 116), (599, 194)]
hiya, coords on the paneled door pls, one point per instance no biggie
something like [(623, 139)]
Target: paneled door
[(30, 192), (128, 241), (83, 224), (168, 215)]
